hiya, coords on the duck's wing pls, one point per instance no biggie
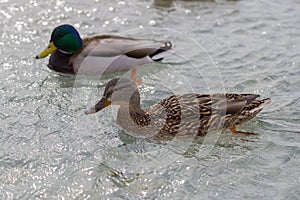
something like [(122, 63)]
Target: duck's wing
[(107, 53), (208, 104), (192, 114), (231, 103), (198, 113), (111, 46)]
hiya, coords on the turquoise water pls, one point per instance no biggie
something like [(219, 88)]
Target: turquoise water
[(49, 149)]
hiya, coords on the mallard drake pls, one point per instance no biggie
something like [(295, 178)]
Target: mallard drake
[(183, 114), (99, 54)]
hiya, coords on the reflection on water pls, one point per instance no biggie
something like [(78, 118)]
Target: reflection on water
[(50, 150)]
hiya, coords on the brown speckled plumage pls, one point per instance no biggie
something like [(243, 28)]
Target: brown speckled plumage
[(184, 114)]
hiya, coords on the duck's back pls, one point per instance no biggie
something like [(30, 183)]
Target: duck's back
[(196, 114), (109, 53)]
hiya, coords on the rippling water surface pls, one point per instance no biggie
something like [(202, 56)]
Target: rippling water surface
[(50, 150)]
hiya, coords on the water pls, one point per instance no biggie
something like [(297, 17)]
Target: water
[(50, 150)]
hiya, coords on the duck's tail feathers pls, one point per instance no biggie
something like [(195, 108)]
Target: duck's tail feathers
[(161, 53), (262, 104)]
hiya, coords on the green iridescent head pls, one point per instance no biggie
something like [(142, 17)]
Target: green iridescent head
[(65, 38)]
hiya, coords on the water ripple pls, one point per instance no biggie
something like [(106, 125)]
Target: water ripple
[(50, 150)]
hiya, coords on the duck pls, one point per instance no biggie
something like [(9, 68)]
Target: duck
[(191, 114), (99, 54)]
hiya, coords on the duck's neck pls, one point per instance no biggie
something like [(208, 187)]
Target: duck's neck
[(132, 113), (139, 116), (130, 116)]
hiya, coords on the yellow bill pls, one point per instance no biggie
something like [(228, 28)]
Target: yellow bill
[(49, 49)]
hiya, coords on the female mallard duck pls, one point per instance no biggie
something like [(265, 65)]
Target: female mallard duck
[(184, 114), (99, 53)]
